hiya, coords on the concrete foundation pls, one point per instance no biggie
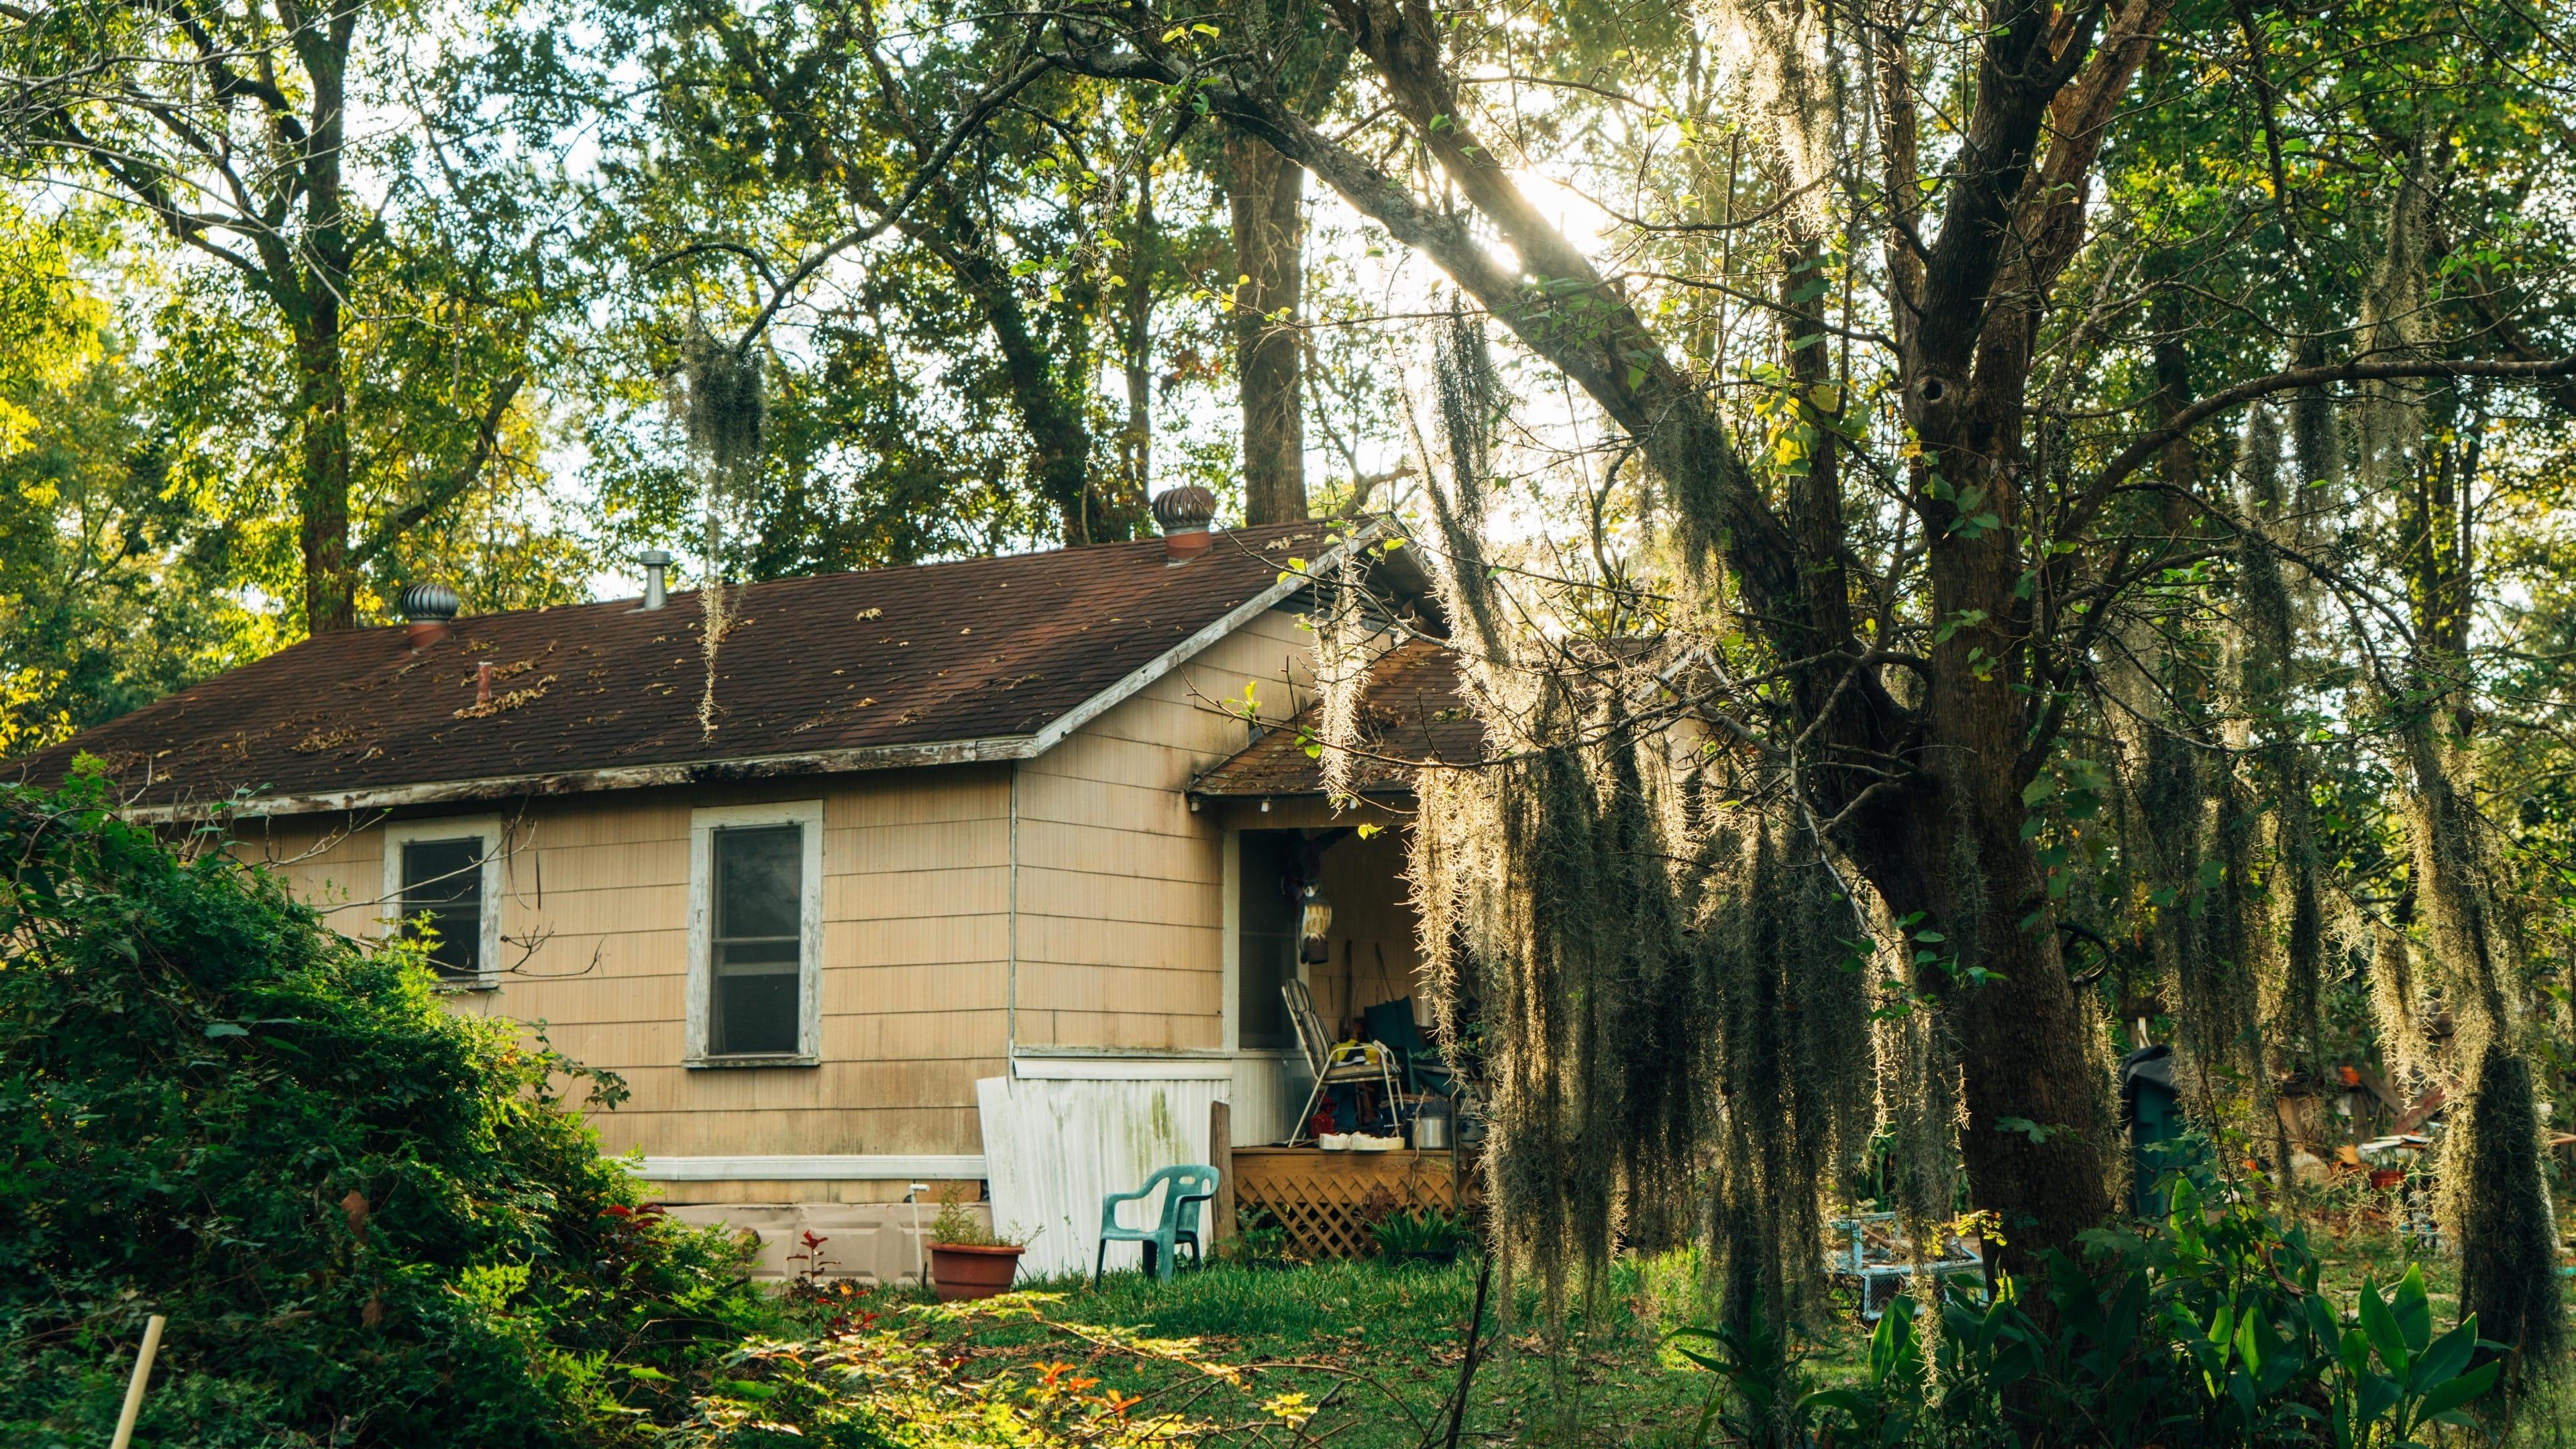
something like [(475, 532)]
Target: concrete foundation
[(867, 1242)]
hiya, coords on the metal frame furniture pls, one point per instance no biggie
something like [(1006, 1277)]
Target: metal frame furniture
[(1854, 1262), (1375, 1063)]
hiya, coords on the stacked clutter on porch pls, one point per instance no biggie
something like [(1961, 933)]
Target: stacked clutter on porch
[(1370, 1093)]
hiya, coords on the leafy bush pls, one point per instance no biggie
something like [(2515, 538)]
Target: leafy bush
[(369, 1220), (1259, 1239), (2210, 1329), (1419, 1232)]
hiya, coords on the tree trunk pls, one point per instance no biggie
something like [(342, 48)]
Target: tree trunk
[(1060, 442), (2035, 1135), (1265, 192), (2035, 1139), (330, 588), (322, 487)]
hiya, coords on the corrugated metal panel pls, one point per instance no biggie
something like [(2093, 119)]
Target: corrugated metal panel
[(1054, 1149), (1267, 1092)]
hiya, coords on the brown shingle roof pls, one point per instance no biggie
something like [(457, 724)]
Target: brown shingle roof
[(984, 658), (1413, 709)]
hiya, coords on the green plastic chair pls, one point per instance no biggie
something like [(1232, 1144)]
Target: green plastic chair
[(1188, 1186)]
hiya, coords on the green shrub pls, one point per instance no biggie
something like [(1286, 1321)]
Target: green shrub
[(2208, 1330), (368, 1219), (1419, 1232)]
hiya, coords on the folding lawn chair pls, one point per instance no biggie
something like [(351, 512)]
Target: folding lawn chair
[(1370, 1063)]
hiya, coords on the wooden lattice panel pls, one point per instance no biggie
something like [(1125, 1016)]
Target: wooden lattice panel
[(1328, 1201)]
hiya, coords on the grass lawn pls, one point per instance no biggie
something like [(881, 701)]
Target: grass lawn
[(1377, 1348)]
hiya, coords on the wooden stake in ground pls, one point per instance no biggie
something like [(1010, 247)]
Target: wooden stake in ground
[(142, 1376), (1221, 1157)]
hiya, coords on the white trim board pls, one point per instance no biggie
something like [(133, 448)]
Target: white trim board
[(755, 767), (960, 1167), (1039, 1068)]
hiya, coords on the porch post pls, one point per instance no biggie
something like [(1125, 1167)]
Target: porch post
[(1221, 1157)]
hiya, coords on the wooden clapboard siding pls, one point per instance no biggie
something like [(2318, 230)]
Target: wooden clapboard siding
[(1121, 896), (325, 865), (731, 1130), (916, 937)]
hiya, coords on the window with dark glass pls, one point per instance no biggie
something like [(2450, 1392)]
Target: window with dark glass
[(756, 949), (1266, 936), (442, 887)]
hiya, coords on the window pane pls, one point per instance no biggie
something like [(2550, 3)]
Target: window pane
[(756, 948), (1266, 948), (444, 879), (758, 873), (755, 1014)]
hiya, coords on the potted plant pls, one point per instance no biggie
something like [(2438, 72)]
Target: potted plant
[(1421, 1235), (969, 1259)]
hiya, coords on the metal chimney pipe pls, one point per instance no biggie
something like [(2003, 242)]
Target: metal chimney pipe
[(656, 590), (482, 681)]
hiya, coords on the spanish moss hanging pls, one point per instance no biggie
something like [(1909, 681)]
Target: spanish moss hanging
[(721, 406)]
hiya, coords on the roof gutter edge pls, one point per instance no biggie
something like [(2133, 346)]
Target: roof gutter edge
[(629, 777)]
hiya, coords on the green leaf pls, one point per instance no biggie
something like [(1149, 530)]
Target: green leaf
[(2385, 1335), (2443, 1361), (225, 1028), (2413, 1309), (2377, 1397), (2465, 1389)]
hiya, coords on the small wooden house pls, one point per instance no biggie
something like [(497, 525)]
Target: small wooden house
[(907, 862)]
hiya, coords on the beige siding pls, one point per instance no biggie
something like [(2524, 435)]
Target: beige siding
[(1122, 885), (916, 931)]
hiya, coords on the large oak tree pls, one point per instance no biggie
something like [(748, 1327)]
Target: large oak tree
[(1930, 546)]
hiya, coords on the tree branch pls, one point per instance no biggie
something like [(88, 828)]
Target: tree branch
[(487, 440), (2144, 449), (967, 125)]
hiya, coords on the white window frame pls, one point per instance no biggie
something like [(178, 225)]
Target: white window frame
[(484, 828), (703, 824)]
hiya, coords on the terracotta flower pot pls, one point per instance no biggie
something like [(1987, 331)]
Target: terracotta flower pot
[(962, 1270)]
